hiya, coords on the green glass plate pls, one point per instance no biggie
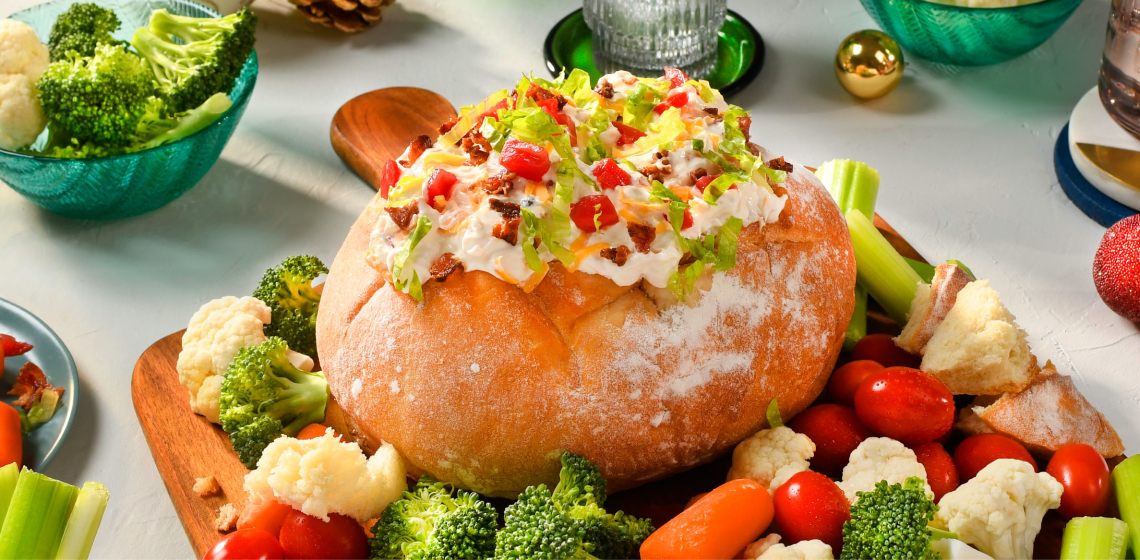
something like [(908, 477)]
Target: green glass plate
[(48, 352), (740, 52)]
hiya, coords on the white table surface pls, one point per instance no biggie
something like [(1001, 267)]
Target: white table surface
[(965, 157)]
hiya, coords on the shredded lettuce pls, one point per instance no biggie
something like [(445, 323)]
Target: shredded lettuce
[(704, 90), (660, 135), (726, 241), (529, 124), (406, 191), (411, 286), (468, 116), (718, 186), (639, 106), (594, 149), (528, 230), (698, 145), (577, 88)]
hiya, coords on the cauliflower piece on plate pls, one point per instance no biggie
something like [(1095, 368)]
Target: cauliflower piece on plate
[(880, 458), (21, 51), (325, 475), (771, 456), (999, 511)]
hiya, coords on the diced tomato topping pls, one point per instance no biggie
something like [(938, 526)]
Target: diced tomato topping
[(676, 77), (677, 100), (687, 220), (629, 134), (610, 175), (591, 208), (525, 159), (492, 112), (441, 183), (9, 346), (389, 177)]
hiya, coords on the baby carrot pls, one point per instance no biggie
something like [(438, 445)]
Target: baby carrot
[(718, 525), (11, 437), (314, 430)]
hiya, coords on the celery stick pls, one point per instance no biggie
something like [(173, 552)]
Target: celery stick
[(924, 270), (1126, 478), (1103, 538), (887, 276), (84, 522), (857, 326), (36, 516), (9, 474), (854, 185), (964, 268)]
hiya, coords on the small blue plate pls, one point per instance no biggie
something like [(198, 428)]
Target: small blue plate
[(48, 352)]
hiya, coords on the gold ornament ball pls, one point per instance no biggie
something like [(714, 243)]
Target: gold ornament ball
[(869, 64)]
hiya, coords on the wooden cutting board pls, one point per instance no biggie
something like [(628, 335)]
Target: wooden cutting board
[(185, 446)]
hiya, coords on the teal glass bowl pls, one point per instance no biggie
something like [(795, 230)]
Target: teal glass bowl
[(129, 184), (969, 36)]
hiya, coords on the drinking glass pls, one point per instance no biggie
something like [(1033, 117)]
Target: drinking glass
[(644, 36), (1119, 82)]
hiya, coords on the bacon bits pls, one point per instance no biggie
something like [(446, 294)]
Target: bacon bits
[(605, 89), (500, 183), (619, 255), (444, 266), (477, 147), (642, 236), (30, 386), (779, 164), (416, 149), (508, 230), (403, 215)]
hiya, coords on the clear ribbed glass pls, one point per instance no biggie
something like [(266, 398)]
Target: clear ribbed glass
[(644, 36), (1119, 81)]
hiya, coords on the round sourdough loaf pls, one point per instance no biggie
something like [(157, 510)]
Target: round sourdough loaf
[(484, 386)]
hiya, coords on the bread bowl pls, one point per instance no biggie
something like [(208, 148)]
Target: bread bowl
[(483, 383)]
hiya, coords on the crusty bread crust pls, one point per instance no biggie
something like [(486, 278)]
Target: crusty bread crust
[(483, 385)]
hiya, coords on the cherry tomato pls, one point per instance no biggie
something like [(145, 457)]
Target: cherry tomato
[(247, 544), (593, 212), (305, 536), (905, 404), (836, 432), (610, 175), (940, 470), (678, 100), (977, 451), (525, 159), (676, 77), (629, 134), (441, 183), (882, 349), (389, 177), (268, 516), (1084, 475), (9, 346), (847, 378), (811, 506)]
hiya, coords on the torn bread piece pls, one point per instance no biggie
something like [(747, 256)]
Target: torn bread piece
[(227, 518), (1050, 413), (968, 421), (931, 303), (978, 349), (206, 486)]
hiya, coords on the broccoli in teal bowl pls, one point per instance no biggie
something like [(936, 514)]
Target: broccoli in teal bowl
[(135, 106)]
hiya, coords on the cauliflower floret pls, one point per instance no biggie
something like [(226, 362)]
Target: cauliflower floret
[(954, 549), (215, 334), (771, 456), (999, 510), (880, 458), (325, 475), (21, 117), (21, 51), (770, 548)]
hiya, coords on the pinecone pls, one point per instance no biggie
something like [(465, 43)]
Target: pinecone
[(349, 16)]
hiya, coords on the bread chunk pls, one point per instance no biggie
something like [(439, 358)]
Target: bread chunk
[(1050, 413), (978, 349), (932, 302)]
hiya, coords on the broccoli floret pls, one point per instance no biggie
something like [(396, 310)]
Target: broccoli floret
[(577, 501), (194, 58), (430, 523), (80, 29), (97, 100), (892, 521), (264, 396), (158, 126), (536, 528), (288, 291)]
